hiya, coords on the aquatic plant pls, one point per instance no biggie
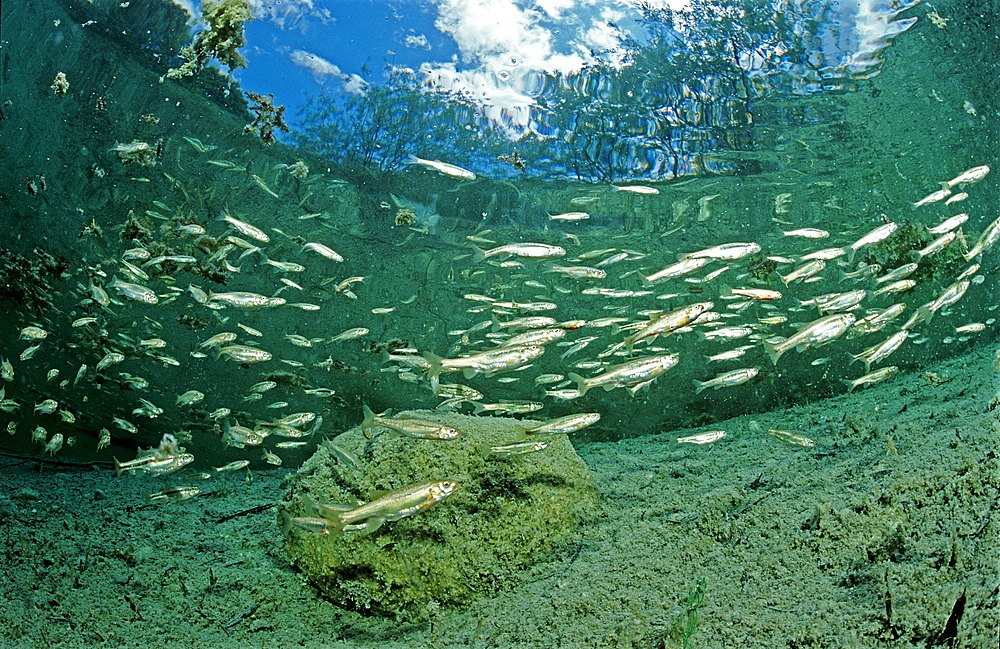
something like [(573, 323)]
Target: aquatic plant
[(221, 40), (686, 623), (267, 117)]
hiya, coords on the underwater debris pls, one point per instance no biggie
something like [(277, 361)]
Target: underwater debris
[(405, 217), (139, 152), (269, 117), (221, 40), (299, 170), (61, 84)]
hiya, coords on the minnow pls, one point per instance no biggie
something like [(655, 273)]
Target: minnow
[(392, 506), (246, 229), (638, 371), (444, 168), (410, 427)]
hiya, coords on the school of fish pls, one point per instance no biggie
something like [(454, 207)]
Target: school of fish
[(550, 320)]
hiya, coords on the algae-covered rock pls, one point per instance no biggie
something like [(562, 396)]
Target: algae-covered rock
[(509, 512)]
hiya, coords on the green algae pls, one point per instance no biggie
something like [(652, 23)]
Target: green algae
[(508, 513)]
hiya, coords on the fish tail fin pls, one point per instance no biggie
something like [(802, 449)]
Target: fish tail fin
[(698, 386), (581, 383), (411, 159), (478, 408), (850, 384), (118, 468), (772, 350), (478, 254), (434, 370), (368, 422)]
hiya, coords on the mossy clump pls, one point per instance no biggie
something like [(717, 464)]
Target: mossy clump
[(221, 40), (510, 511)]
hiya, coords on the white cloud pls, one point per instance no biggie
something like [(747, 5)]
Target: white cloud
[(290, 14), (416, 41), (506, 45), (554, 8), (319, 66), (323, 70)]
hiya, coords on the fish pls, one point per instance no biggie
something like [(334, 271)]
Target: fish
[(176, 494), (350, 334), (246, 229), (410, 427), (136, 292), (490, 362), (818, 332), (934, 197), (218, 339), (47, 407), (520, 448), (833, 302), (969, 176), (756, 293), (790, 437), (874, 377), (881, 233), (806, 270), (111, 358), (33, 333), (640, 370), (54, 445), (826, 254), (807, 233), (507, 407), (565, 425), (985, 242), (636, 189), (707, 437), (898, 286), (949, 224), (245, 354), (902, 272), (323, 250), (394, 505), (525, 250), (670, 322), (6, 370), (233, 466), (241, 299), (935, 246), (444, 168), (154, 465), (570, 216), (683, 267), (190, 397), (725, 251), (881, 351), (877, 321), (725, 379), (579, 272), (286, 266)]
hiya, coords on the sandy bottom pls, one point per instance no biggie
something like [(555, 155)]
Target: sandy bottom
[(884, 534)]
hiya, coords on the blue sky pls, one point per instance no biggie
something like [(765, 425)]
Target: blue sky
[(493, 51)]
